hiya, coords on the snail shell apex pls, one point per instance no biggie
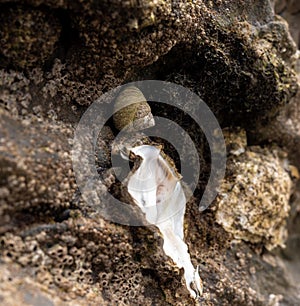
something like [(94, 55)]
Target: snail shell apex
[(131, 110)]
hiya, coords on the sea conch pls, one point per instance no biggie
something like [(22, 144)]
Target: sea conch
[(156, 188), (131, 111), (155, 185)]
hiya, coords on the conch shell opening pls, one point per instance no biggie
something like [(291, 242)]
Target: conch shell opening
[(157, 190)]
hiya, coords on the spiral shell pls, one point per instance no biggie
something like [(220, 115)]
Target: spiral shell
[(132, 117)]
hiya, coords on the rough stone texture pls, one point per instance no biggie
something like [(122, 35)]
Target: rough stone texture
[(253, 202), (290, 11), (28, 37), (117, 41), (57, 57), (284, 129), (36, 170)]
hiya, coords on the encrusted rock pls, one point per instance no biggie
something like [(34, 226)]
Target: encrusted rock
[(253, 203), (36, 169), (55, 249), (290, 10), (28, 37)]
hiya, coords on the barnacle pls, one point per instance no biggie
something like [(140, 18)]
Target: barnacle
[(254, 200), (156, 188)]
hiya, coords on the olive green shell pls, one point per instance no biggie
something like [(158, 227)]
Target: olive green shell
[(135, 116)]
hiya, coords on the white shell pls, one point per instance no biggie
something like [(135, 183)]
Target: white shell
[(157, 190)]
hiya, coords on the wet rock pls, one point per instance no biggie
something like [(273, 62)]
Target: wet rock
[(207, 48)]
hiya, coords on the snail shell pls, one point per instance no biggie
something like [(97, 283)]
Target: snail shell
[(135, 116)]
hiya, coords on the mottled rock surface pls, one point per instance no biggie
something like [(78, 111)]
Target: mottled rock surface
[(290, 11), (56, 58), (253, 202)]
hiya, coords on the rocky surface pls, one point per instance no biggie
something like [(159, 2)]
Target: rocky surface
[(254, 199), (56, 58), (290, 11)]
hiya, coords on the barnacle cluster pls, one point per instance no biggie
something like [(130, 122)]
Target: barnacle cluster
[(28, 37), (254, 198), (108, 49), (93, 260), (124, 285), (228, 46), (15, 95), (58, 82)]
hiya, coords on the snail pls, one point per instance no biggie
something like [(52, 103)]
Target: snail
[(132, 117), (154, 183)]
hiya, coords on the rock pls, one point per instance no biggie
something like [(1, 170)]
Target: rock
[(284, 130), (16, 290), (241, 41), (36, 169), (57, 58), (28, 36), (290, 11), (253, 203)]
